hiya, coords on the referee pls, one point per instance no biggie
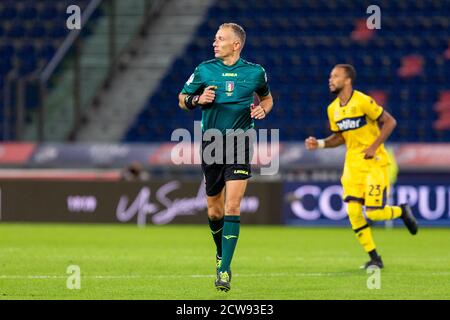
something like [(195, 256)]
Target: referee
[(224, 89)]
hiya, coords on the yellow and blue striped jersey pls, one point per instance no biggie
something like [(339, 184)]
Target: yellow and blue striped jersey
[(357, 122)]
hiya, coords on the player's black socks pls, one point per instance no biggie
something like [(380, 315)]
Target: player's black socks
[(216, 227), (374, 255)]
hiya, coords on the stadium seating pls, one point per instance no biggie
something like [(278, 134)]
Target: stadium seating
[(298, 42), (30, 33), (442, 107)]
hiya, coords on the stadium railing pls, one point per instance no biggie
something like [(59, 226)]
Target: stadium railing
[(51, 104)]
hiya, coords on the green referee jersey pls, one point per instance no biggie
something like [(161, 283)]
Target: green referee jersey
[(236, 85)]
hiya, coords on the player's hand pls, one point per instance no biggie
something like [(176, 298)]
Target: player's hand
[(257, 112), (311, 143), (207, 96), (369, 153)]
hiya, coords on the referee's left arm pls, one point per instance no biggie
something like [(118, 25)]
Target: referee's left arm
[(266, 103)]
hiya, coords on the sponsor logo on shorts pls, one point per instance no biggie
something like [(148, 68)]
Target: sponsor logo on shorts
[(241, 172)]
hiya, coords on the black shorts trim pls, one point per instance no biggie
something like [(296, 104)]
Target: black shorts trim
[(238, 178), (217, 175), (375, 207), (361, 228), (383, 201), (352, 198), (213, 192)]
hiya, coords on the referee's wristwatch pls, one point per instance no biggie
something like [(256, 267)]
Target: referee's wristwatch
[(195, 100)]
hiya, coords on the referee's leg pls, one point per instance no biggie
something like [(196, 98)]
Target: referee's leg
[(216, 211), (235, 190), (216, 205)]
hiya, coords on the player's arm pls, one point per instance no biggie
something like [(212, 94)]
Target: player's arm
[(333, 141), (189, 102), (387, 124), (262, 110)]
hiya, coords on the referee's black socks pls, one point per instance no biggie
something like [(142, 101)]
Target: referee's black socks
[(216, 227)]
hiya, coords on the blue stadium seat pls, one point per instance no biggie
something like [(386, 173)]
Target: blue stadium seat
[(36, 30), (8, 12), (48, 11), (30, 33), (16, 31), (5, 67), (298, 42), (28, 13)]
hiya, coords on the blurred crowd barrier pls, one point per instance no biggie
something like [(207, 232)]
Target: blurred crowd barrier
[(86, 199)]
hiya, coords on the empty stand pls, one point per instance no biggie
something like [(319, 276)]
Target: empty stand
[(298, 42)]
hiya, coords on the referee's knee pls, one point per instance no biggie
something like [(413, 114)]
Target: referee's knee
[(233, 207), (215, 212)]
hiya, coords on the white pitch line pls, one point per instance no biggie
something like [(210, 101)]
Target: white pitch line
[(169, 276), (274, 275)]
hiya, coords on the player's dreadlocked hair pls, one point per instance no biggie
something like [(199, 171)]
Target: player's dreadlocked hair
[(238, 30)]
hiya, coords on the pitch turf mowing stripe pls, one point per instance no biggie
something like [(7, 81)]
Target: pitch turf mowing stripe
[(315, 274), (178, 262)]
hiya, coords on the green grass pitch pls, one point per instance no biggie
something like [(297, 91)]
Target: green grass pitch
[(177, 262)]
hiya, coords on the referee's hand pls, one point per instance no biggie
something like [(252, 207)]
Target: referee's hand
[(257, 112), (207, 96)]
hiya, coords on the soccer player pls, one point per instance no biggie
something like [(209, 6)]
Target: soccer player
[(224, 87), (363, 126)]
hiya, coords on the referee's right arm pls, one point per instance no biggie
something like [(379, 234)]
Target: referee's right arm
[(188, 102), (181, 101)]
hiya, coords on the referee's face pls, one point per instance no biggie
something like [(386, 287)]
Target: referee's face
[(224, 43)]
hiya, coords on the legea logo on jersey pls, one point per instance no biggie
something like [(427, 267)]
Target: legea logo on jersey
[(229, 86), (350, 124), (229, 74)]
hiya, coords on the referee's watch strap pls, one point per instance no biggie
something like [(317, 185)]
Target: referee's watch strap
[(189, 101)]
